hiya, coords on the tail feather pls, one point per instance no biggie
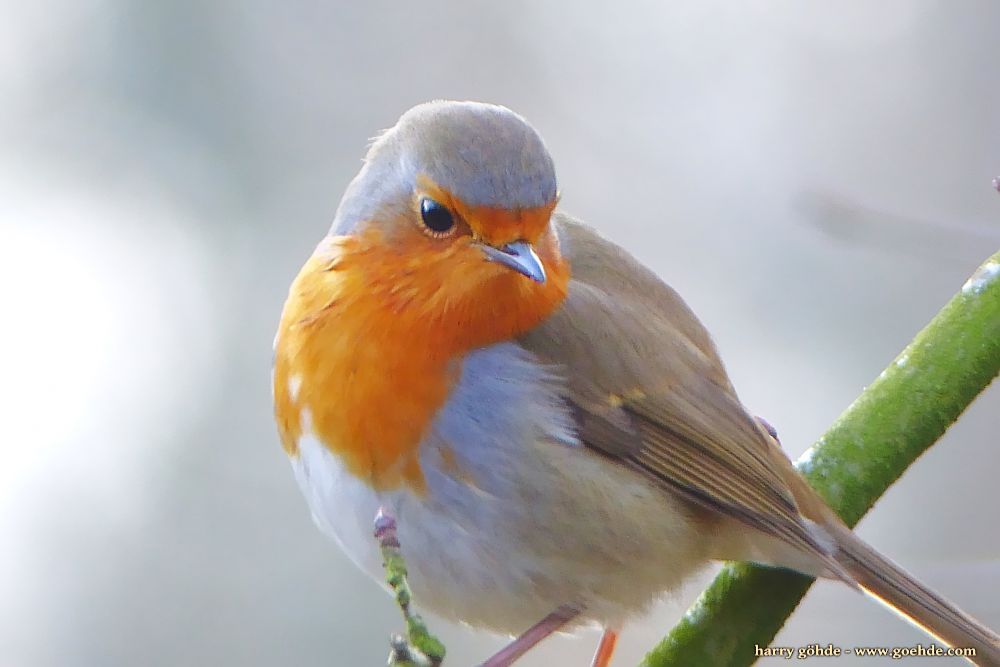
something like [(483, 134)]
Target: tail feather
[(888, 582)]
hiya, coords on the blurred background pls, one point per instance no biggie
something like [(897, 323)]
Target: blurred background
[(814, 178)]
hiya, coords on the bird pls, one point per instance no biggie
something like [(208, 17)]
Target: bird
[(547, 421)]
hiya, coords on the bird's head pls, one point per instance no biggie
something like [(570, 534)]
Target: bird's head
[(443, 243), (449, 222)]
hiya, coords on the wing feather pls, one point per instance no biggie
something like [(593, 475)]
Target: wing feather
[(648, 389)]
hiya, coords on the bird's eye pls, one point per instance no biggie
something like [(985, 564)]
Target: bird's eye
[(437, 218)]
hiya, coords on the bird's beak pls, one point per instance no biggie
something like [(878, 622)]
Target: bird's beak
[(519, 256)]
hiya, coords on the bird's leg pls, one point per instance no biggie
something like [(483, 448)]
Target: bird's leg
[(602, 658), (532, 636)]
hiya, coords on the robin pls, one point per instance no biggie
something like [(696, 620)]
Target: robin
[(547, 421)]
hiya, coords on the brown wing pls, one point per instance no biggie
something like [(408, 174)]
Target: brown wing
[(649, 390)]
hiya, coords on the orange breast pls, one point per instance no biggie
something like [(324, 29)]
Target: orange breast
[(362, 368), (342, 374)]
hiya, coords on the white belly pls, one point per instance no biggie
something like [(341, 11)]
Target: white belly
[(339, 502)]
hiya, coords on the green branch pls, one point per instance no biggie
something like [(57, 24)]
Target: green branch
[(895, 420), (419, 648)]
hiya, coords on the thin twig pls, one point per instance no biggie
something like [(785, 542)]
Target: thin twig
[(419, 648)]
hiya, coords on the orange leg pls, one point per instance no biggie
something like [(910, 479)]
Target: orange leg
[(605, 649)]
